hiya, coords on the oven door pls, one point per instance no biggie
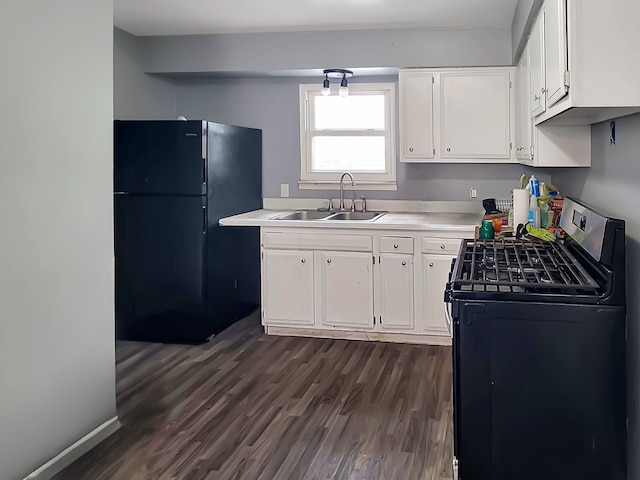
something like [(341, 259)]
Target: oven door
[(539, 391)]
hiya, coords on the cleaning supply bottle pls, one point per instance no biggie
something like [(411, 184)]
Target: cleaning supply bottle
[(534, 186), (534, 212)]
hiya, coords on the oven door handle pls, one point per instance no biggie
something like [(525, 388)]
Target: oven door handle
[(448, 317)]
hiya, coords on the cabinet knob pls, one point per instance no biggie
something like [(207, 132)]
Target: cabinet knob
[(328, 260), (304, 260), (411, 149), (431, 264), (448, 149), (404, 264), (395, 246), (536, 97), (442, 247)]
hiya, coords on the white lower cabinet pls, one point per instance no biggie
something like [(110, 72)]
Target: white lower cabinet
[(288, 288), (435, 277), (345, 290), (396, 292), (367, 285)]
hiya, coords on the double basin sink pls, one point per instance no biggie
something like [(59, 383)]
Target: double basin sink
[(343, 215)]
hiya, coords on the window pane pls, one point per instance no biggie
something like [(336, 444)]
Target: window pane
[(348, 153), (355, 111)]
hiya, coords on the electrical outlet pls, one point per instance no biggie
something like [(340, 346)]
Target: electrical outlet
[(473, 192), (284, 190)]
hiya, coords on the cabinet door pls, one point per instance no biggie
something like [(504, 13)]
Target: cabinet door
[(526, 106), (524, 122), (555, 41), (436, 275), (288, 288), (475, 115), (537, 98), (520, 111), (416, 116), (396, 292), (345, 287)]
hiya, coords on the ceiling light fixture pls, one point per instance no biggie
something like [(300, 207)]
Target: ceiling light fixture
[(325, 86), (336, 73)]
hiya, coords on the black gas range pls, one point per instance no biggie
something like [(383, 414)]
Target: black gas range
[(539, 353)]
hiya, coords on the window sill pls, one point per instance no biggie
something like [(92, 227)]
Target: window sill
[(335, 185)]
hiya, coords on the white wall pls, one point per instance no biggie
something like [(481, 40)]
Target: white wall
[(524, 15), (136, 95), (612, 185), (57, 375)]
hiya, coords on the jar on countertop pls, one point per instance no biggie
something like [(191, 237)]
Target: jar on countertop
[(486, 231)]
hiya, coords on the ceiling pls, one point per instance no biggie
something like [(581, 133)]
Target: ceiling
[(189, 17)]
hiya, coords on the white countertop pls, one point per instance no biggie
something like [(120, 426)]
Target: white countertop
[(416, 221)]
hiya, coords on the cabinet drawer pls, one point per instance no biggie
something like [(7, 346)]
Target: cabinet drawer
[(440, 245), (317, 241), (396, 244)]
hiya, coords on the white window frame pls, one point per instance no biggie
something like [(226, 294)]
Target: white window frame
[(364, 180)]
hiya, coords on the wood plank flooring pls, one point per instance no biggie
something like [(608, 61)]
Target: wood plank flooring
[(251, 406)]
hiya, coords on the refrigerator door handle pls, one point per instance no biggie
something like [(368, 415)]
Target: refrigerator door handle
[(204, 219)]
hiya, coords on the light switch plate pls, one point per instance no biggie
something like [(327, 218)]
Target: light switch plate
[(284, 190)]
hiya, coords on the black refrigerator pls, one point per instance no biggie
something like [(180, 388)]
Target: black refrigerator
[(180, 277)]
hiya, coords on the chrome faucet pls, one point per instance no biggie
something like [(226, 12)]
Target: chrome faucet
[(353, 184)]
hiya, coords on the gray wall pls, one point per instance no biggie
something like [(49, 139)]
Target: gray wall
[(57, 375), (137, 95), (272, 105), (612, 184), (273, 52), (526, 11)]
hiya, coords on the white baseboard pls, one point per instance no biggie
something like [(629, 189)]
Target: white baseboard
[(75, 451), (442, 340)]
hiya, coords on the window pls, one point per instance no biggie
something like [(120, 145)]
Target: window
[(353, 133)]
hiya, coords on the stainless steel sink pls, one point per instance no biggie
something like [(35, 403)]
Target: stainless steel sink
[(304, 215), (362, 216)]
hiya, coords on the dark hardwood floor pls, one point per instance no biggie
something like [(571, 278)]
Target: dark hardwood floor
[(250, 406)]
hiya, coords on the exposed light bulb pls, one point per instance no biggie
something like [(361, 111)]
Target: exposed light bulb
[(325, 86), (344, 90)]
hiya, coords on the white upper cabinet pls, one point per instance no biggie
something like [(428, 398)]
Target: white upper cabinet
[(462, 115), (524, 123), (583, 61), (475, 115), (555, 40), (537, 98), (546, 145), (416, 115)]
